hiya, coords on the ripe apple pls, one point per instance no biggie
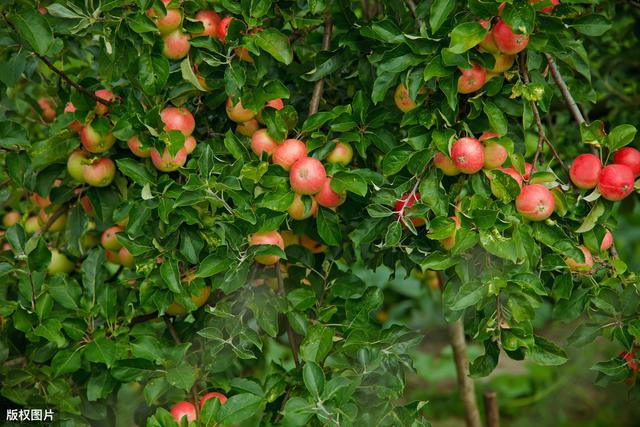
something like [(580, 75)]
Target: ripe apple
[(169, 22), (237, 112), (277, 103), (403, 100), (405, 202), (445, 164), (248, 128), (488, 44), (59, 263), (513, 174), (494, 155), (575, 265), (507, 41), (503, 63), (262, 142), (607, 241), (112, 256), (178, 118), (210, 21), (615, 182), (472, 79), (101, 109), (166, 162), (48, 112), (94, 142), (313, 245), (75, 163), (585, 170), (190, 144), (86, 205), (11, 218), (58, 224), (547, 9), (296, 209), (267, 238), (342, 154), (74, 125), (183, 409), (31, 225), (468, 155), (527, 171), (221, 397), (450, 241), (99, 172), (198, 299), (134, 145), (289, 152), (307, 176), (40, 201), (126, 259), (535, 202), (328, 198), (176, 45), (223, 26), (629, 358), (486, 135), (108, 240), (628, 156)]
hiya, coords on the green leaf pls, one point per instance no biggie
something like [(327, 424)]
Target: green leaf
[(349, 181), (153, 72), (92, 273), (239, 408), (182, 376), (395, 160), (171, 275), (620, 136), (101, 350), (440, 10), (135, 170), (329, 227), (317, 344), (313, 377), (546, 353), (66, 361), (591, 25), (465, 36), (497, 120), (34, 29), (212, 265), (50, 330), (470, 293), (275, 43)]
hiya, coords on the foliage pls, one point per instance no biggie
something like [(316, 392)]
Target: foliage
[(299, 342)]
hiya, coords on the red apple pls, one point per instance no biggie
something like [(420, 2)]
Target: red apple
[(183, 409), (74, 125), (42, 202), (405, 202), (190, 144), (289, 152), (507, 41), (494, 155), (223, 26), (86, 205), (449, 242), (313, 245), (261, 142), (307, 176), (547, 9), (178, 118), (125, 257), (486, 135), (176, 45), (48, 111), (221, 397), (629, 358), (575, 265), (403, 100), (167, 162), (210, 21), (112, 256), (169, 22), (535, 202), (248, 128), (108, 240), (607, 241), (342, 154), (472, 79), (445, 164), (615, 182), (585, 170), (134, 145), (101, 109), (267, 238), (296, 210), (277, 103), (514, 174), (468, 155), (328, 197), (94, 142), (100, 172), (75, 162), (488, 44), (11, 218), (237, 112), (628, 156)]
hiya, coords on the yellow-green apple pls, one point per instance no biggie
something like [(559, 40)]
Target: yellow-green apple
[(169, 22), (99, 172), (134, 145), (450, 241), (32, 224), (342, 154), (296, 209), (11, 218), (58, 224), (403, 100), (59, 263), (248, 128), (75, 163), (199, 298), (95, 142), (445, 164), (237, 112)]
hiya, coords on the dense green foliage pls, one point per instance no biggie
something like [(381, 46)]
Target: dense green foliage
[(75, 340)]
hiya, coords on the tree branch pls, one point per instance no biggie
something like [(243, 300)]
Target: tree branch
[(319, 86), (465, 383), (144, 318), (292, 338), (59, 72), (53, 218), (491, 409), (564, 90)]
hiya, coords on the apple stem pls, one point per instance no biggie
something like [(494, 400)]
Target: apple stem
[(292, 338), (59, 72), (319, 86)]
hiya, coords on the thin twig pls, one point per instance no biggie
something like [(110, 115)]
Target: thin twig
[(491, 409), (47, 225), (143, 318), (571, 103), (59, 72), (465, 383), (292, 338), (319, 86)]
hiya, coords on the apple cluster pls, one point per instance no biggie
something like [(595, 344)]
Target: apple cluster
[(176, 42), (186, 409), (614, 181)]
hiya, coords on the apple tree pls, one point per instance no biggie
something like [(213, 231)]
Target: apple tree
[(196, 195)]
